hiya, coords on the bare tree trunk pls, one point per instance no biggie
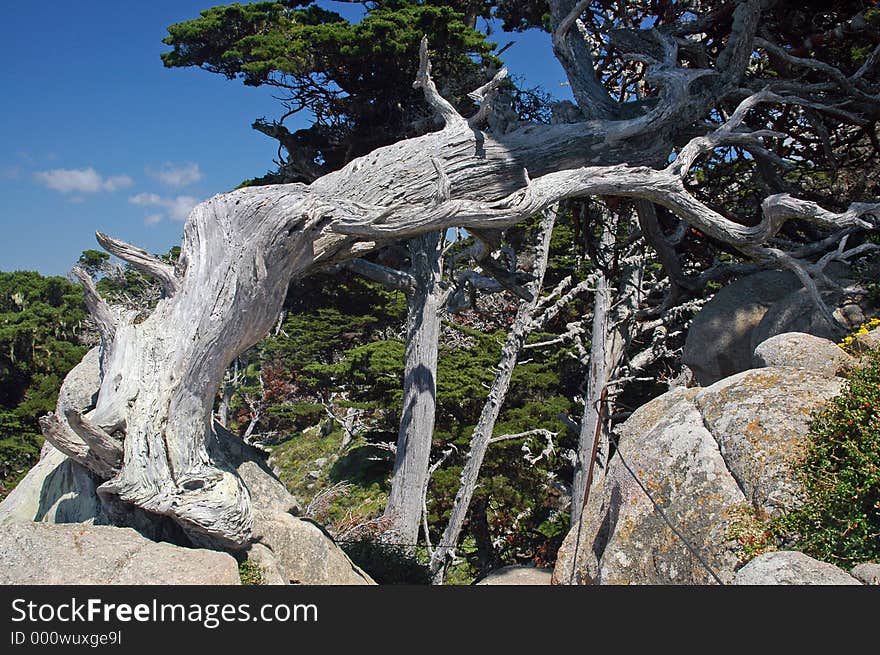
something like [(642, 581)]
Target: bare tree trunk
[(523, 324), (614, 305), (404, 508), (223, 409), (229, 384), (422, 283), (593, 424)]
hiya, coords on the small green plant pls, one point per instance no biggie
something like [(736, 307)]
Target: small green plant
[(839, 521), (752, 530), (249, 572)]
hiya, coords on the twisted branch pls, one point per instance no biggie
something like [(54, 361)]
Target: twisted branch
[(142, 261)]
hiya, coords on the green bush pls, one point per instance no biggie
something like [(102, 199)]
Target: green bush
[(387, 563), (42, 321), (840, 473)]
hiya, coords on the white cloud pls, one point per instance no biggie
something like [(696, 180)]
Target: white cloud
[(81, 180), (177, 176), (146, 199), (177, 207), (181, 206), (117, 182)]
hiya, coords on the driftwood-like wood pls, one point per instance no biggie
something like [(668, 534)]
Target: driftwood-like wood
[(241, 249), (412, 458)]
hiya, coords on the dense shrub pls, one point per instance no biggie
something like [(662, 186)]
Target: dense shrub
[(840, 472), (387, 563), (42, 323)]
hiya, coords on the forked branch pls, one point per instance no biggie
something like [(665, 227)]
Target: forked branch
[(441, 105)]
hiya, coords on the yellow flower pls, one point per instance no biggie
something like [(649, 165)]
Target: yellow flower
[(863, 329)]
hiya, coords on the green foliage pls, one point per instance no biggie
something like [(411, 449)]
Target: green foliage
[(463, 378), (753, 531), (372, 372), (523, 14), (250, 573), (299, 415), (327, 315), (358, 466), (840, 473), (93, 262), (42, 320), (295, 457), (387, 563), (355, 78), (516, 502), (341, 335)]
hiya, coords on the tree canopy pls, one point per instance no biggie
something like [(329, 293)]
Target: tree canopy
[(43, 331), (354, 80)]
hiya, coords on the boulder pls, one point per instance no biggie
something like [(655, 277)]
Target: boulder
[(80, 388), (759, 419), (800, 350), (267, 492), (719, 341), (748, 311), (708, 457), (75, 553), (868, 573), (303, 553), (797, 313), (518, 575), (788, 567), (621, 539), (270, 573), (286, 549), (55, 490)]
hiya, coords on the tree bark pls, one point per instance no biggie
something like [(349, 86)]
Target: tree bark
[(411, 463), (593, 424), (614, 304), (230, 382)]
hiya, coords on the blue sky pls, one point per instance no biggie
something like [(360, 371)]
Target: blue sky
[(98, 135)]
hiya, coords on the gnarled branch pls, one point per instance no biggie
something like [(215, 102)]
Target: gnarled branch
[(141, 261), (97, 307), (484, 96), (441, 105), (93, 455), (388, 277)]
